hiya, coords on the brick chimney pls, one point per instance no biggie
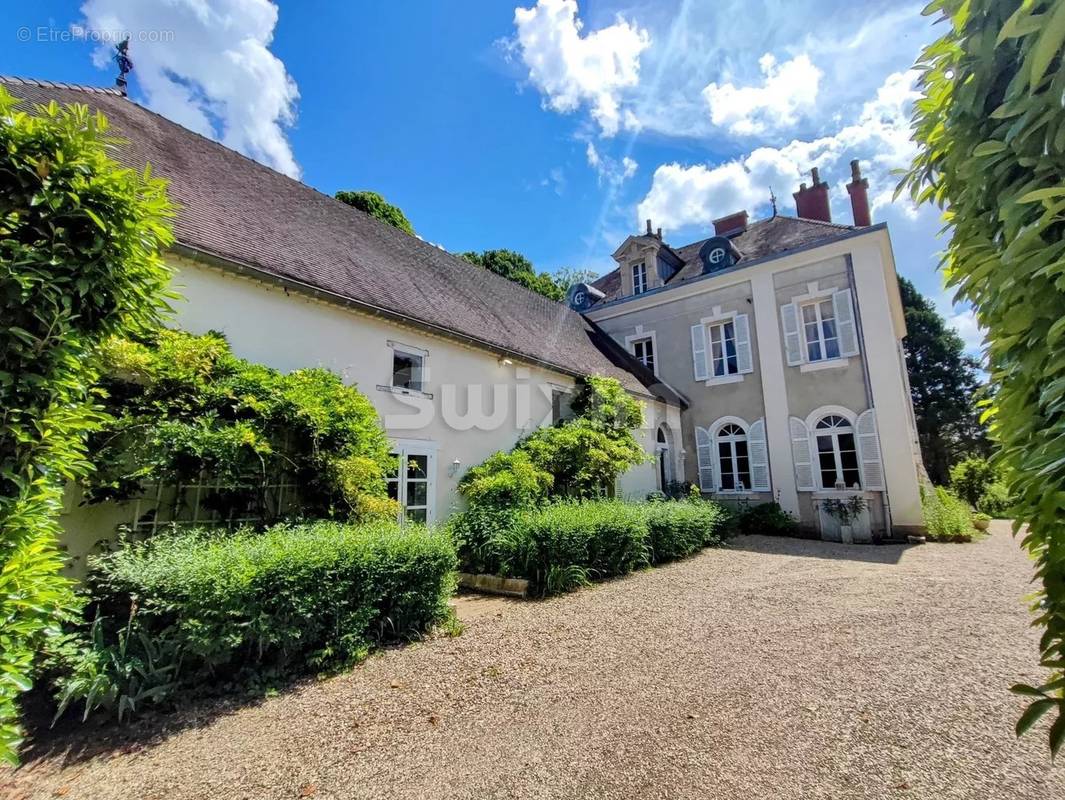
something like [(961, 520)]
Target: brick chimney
[(812, 202), (858, 189), (732, 224)]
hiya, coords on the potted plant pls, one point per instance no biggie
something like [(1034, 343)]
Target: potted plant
[(845, 512), (981, 522)]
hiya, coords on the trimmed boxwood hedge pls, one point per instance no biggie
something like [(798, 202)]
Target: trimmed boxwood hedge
[(293, 597), (564, 545)]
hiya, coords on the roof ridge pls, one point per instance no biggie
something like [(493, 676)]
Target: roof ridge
[(15, 80)]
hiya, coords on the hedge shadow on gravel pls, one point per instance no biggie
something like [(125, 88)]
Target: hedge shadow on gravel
[(818, 548)]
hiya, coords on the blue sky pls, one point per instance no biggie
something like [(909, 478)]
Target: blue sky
[(550, 127)]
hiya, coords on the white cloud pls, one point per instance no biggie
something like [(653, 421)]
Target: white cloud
[(695, 195), (964, 322), (609, 170), (787, 91), (213, 73), (571, 70)]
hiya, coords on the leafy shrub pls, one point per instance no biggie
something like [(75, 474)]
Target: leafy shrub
[(505, 479), (995, 501), (79, 261), (946, 516), (248, 606), (767, 519), (970, 479), (184, 405), (676, 530), (477, 533), (601, 538)]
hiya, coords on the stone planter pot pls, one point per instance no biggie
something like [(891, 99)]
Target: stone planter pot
[(981, 524)]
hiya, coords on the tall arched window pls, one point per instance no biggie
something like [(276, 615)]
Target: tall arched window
[(734, 466), (837, 455)]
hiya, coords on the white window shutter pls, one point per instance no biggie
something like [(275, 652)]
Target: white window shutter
[(869, 451), (758, 452), (704, 450), (744, 360), (801, 456), (848, 331), (789, 319), (699, 352)]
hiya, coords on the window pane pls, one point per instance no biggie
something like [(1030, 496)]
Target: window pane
[(852, 478), (417, 466), (393, 490), (417, 493), (828, 478), (406, 371), (745, 478), (824, 444), (827, 311), (826, 460), (832, 348), (416, 514), (741, 448), (809, 314)]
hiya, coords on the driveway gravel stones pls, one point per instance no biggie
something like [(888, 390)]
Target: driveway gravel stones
[(776, 668)]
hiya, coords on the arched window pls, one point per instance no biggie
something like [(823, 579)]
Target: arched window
[(665, 458), (837, 455), (734, 466)]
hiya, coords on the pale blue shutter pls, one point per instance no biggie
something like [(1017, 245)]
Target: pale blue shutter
[(801, 456), (699, 352), (789, 320), (845, 327), (869, 451), (758, 452), (705, 453), (744, 360)]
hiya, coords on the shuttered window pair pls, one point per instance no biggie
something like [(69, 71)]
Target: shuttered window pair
[(733, 457), (835, 452), (819, 330), (722, 348)]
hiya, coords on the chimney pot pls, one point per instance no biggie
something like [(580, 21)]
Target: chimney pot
[(659, 234), (858, 189), (812, 202), (648, 227)]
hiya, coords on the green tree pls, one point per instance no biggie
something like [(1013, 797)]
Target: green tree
[(943, 383), (376, 206), (991, 134), (79, 261), (516, 267)]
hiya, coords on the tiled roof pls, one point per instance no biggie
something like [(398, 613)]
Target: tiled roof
[(763, 238), (237, 210)]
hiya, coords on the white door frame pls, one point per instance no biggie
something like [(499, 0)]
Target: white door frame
[(404, 448)]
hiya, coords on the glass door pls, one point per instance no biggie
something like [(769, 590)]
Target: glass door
[(411, 483)]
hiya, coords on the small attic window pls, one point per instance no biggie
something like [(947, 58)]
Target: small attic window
[(639, 278)]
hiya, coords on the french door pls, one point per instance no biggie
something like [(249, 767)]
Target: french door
[(412, 483)]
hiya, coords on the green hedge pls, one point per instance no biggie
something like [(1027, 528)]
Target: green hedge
[(677, 530), (293, 597), (947, 517), (564, 545)]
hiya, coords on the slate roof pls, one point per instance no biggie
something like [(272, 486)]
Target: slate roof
[(237, 210), (763, 238)]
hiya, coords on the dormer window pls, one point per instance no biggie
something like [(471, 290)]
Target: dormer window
[(639, 278)]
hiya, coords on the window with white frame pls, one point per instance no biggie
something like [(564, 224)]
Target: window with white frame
[(408, 368), (410, 483), (820, 334), (639, 278), (734, 469), (644, 351), (837, 453), (722, 339)]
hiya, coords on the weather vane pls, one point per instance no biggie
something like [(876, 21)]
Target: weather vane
[(125, 63)]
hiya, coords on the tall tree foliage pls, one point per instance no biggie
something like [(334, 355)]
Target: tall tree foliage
[(79, 261), (376, 206), (516, 267), (991, 131), (943, 384)]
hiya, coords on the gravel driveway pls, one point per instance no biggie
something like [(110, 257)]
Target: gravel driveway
[(775, 669)]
